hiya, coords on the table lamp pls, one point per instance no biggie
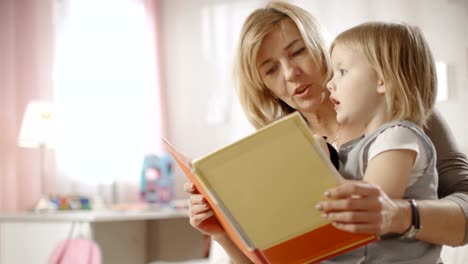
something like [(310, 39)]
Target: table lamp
[(37, 131)]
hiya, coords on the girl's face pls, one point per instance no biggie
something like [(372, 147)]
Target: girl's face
[(356, 90), (287, 69)]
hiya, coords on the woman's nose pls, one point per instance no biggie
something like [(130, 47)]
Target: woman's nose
[(291, 72)]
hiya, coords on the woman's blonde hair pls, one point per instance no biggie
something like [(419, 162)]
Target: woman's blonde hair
[(259, 104), (402, 59)]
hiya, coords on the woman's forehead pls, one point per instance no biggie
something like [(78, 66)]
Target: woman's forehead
[(282, 37), (286, 30)]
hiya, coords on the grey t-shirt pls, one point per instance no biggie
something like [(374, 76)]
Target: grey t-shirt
[(392, 249)]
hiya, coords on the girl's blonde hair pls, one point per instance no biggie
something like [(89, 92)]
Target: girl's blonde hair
[(259, 105), (402, 59)]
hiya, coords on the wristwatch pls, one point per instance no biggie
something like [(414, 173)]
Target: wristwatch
[(415, 222)]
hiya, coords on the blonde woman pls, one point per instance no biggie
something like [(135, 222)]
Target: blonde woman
[(282, 66)]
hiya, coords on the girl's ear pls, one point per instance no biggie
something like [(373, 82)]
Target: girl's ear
[(381, 86)]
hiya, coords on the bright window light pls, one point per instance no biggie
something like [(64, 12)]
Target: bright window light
[(102, 60)]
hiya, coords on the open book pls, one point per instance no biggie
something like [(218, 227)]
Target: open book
[(264, 188)]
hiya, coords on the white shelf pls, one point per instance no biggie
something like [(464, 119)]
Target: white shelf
[(93, 216)]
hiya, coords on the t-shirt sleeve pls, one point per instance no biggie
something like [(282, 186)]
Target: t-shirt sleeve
[(401, 138), (394, 138)]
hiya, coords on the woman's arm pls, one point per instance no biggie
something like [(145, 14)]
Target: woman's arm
[(451, 211), (371, 211), (452, 165), (442, 222), (236, 255)]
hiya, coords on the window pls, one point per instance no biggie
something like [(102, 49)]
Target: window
[(103, 75)]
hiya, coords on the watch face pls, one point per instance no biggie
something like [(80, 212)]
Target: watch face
[(411, 233)]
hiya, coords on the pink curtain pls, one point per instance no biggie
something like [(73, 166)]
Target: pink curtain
[(26, 51), (156, 96), (25, 74), (155, 107)]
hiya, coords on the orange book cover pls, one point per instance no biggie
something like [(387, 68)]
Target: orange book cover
[(263, 189)]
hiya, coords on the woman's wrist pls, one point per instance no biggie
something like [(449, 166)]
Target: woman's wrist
[(221, 238), (402, 217)]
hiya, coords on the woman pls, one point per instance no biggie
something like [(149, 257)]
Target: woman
[(282, 66)]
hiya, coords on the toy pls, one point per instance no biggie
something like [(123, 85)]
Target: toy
[(157, 181)]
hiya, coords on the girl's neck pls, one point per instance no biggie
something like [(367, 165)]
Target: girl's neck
[(323, 122), (379, 118)]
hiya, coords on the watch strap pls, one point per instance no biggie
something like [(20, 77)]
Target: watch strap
[(415, 221)]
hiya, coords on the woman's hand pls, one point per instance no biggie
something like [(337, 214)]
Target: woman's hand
[(360, 207), (200, 213)]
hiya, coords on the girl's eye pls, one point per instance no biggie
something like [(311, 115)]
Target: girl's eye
[(299, 51), (271, 70), (342, 72)]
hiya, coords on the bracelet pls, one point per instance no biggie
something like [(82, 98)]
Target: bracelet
[(415, 222)]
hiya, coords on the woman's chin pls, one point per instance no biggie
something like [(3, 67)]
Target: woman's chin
[(311, 105)]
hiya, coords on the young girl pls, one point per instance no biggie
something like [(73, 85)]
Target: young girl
[(384, 81)]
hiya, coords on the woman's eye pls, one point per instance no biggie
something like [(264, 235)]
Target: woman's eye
[(342, 72), (299, 51), (271, 70)]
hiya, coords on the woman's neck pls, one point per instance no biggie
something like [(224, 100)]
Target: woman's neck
[(323, 120)]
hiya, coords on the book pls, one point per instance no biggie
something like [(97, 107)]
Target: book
[(263, 189)]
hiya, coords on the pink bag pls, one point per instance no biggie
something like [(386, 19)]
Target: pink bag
[(76, 251)]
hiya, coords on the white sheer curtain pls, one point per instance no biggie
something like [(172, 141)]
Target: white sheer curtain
[(107, 96)]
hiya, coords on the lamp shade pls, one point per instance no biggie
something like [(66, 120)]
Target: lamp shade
[(38, 126)]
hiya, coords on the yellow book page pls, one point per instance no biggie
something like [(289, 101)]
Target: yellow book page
[(271, 181)]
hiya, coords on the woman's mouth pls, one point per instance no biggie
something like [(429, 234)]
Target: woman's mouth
[(302, 91)]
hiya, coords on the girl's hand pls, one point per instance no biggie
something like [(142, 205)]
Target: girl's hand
[(360, 207), (200, 213)]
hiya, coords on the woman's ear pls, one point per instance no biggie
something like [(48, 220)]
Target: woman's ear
[(381, 86)]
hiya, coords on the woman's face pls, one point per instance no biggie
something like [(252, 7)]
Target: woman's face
[(287, 68)]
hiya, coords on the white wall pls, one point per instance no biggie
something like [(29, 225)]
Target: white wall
[(199, 37)]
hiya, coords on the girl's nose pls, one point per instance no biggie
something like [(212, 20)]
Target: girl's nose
[(331, 85)]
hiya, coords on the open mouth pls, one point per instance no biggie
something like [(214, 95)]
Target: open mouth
[(335, 102), (301, 90)]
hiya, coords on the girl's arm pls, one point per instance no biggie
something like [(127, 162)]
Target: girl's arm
[(381, 170)]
